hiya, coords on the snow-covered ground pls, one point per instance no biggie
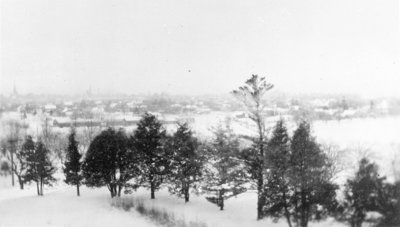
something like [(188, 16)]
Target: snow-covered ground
[(61, 207), (239, 211)]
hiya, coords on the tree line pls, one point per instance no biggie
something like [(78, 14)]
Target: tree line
[(292, 174)]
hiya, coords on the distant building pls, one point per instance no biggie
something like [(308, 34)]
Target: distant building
[(50, 107)]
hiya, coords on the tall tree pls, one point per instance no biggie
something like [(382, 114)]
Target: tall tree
[(313, 193), (251, 96), (149, 140), (40, 168), (278, 190), (109, 162), (224, 173), (187, 162), (72, 165), (21, 169), (361, 193)]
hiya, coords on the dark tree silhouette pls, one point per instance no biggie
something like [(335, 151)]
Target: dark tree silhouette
[(278, 191), (389, 204), (109, 162), (72, 165), (313, 193), (40, 168), (187, 162), (149, 140), (361, 193)]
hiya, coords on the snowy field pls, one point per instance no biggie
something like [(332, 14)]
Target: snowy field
[(375, 138), (61, 207)]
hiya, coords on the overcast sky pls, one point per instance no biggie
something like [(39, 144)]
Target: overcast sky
[(200, 47)]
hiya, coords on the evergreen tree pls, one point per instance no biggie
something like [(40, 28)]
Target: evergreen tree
[(361, 193), (389, 204), (149, 140), (109, 162), (313, 194), (21, 169), (187, 162), (277, 188), (72, 165), (224, 170), (251, 96), (40, 168)]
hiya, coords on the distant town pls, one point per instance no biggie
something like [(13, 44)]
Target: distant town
[(126, 110)]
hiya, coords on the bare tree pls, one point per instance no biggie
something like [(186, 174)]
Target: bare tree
[(11, 146), (56, 142), (251, 97), (335, 160), (87, 134)]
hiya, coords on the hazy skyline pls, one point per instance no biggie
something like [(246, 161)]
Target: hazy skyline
[(200, 47)]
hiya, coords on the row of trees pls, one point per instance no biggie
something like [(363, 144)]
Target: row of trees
[(297, 173), (150, 157)]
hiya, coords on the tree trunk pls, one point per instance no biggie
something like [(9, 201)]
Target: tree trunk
[(21, 183), (113, 190), (221, 199), (77, 190), (37, 188), (260, 180), (261, 196), (152, 189), (287, 214), (12, 164), (303, 219), (119, 190), (152, 186), (186, 194), (41, 187)]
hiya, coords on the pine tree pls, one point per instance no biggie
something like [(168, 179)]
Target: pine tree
[(224, 173), (251, 96), (109, 162), (277, 188), (21, 169), (149, 140), (313, 193), (361, 193), (389, 204), (40, 168), (72, 165), (187, 162)]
